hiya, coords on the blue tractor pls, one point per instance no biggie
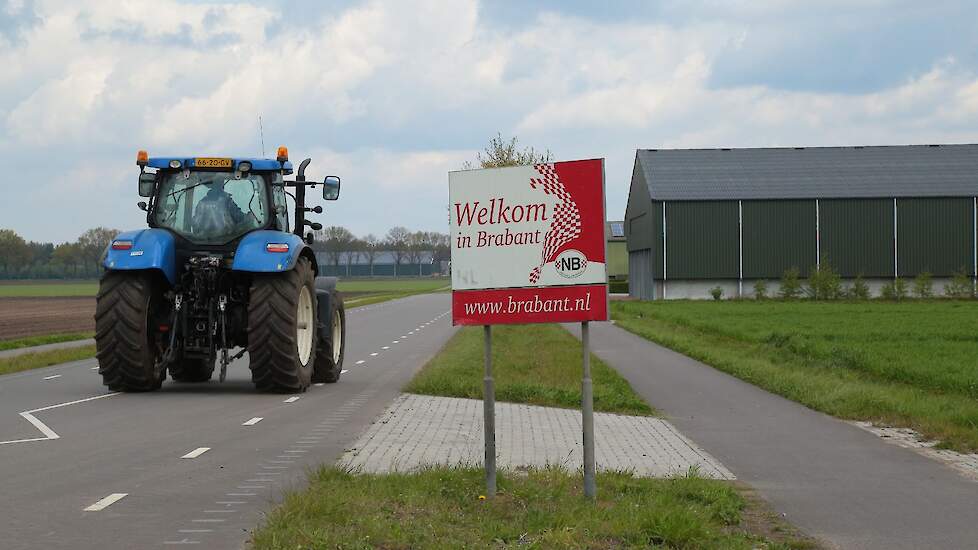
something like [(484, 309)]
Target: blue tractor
[(219, 269)]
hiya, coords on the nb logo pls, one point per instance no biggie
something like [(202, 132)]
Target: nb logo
[(571, 263)]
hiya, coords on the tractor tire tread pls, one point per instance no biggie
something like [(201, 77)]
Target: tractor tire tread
[(272, 310)]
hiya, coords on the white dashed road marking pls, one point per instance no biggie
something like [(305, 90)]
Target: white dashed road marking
[(106, 502), (344, 371), (292, 399), (52, 377), (360, 362), (253, 421), (196, 452), (374, 354)]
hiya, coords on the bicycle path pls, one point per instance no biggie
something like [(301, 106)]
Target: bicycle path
[(835, 481)]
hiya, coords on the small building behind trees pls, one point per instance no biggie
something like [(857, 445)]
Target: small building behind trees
[(701, 218)]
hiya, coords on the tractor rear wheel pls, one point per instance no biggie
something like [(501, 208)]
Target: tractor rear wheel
[(282, 329), (126, 346), (329, 355), (192, 370)]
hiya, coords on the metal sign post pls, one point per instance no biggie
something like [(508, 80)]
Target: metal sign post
[(587, 413), (489, 406)]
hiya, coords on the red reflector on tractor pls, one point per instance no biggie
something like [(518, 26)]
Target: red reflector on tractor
[(277, 247), (121, 245)]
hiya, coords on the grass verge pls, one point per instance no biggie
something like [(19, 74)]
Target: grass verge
[(909, 365), (45, 359), (394, 287), (32, 341), (15, 289), (440, 508), (535, 364)]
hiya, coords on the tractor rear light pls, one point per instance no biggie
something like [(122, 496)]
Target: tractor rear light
[(283, 153), (164, 328), (174, 163), (277, 247), (121, 245), (142, 158)]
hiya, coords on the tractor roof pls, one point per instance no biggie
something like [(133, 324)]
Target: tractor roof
[(257, 164)]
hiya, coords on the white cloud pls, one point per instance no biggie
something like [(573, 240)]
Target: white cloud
[(392, 95)]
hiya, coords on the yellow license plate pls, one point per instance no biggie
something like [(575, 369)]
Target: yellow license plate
[(211, 162)]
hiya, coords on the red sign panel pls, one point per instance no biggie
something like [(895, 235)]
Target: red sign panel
[(528, 244)]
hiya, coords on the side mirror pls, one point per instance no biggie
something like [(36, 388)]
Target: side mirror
[(331, 188), (142, 206), (147, 182)]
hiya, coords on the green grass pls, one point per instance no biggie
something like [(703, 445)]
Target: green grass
[(388, 287), (45, 359), (9, 289), (440, 508), (535, 364), (394, 286), (912, 364), (32, 341)]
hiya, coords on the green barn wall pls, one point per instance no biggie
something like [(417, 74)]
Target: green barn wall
[(702, 240), (778, 235), (857, 236), (935, 235)]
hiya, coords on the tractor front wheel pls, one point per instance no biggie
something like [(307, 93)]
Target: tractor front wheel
[(282, 329), (126, 346)]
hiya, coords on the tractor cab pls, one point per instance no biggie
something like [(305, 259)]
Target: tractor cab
[(215, 201)]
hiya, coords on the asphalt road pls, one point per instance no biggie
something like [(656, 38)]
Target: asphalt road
[(839, 483), (132, 444)]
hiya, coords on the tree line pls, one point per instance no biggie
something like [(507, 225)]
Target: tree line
[(337, 245), (22, 259), (82, 259)]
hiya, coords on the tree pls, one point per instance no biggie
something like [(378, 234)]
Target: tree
[(14, 251), (336, 240), (397, 242), (67, 255), (500, 153), (93, 243), (441, 246), (371, 246)]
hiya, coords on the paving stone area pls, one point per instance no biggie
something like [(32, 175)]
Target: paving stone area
[(419, 430), (965, 463)]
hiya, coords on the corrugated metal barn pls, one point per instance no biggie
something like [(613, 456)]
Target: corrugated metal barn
[(701, 218)]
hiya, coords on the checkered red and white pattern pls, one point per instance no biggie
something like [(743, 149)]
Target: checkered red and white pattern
[(566, 223)]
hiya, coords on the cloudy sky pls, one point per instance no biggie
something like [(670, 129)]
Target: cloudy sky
[(392, 95)]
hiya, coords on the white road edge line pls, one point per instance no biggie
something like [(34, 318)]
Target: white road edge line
[(196, 452), (49, 434), (253, 421), (106, 502)]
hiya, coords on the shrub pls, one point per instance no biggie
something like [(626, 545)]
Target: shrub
[(824, 283), (618, 287), (923, 285), (760, 289), (790, 284), (894, 290), (960, 285), (859, 290), (716, 292)]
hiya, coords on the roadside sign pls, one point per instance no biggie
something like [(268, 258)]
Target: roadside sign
[(528, 244)]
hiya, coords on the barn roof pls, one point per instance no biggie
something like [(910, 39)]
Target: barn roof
[(811, 172)]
